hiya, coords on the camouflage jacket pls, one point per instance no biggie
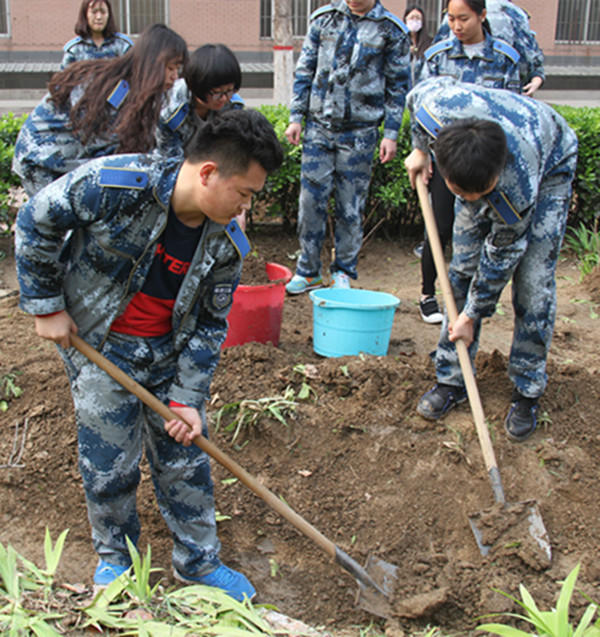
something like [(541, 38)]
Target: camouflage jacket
[(80, 48), (497, 66), (113, 210), (353, 71), (46, 147), (540, 145)]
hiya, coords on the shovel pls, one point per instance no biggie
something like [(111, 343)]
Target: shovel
[(490, 525), (374, 590)]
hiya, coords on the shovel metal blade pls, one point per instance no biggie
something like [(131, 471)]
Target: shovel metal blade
[(378, 601), (513, 526)]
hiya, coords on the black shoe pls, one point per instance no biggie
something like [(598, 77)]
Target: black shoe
[(521, 420), (439, 400), (430, 310)]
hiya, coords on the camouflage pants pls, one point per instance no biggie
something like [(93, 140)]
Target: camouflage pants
[(113, 428), (341, 161), (533, 288)]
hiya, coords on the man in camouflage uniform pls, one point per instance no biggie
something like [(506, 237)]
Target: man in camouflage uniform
[(510, 226), (510, 23), (146, 276), (352, 74)]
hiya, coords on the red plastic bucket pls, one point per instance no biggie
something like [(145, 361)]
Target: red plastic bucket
[(255, 315)]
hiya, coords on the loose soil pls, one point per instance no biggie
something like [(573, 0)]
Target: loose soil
[(355, 460)]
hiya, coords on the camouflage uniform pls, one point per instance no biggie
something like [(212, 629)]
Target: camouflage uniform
[(46, 147), (80, 48), (496, 66), (114, 210), (179, 120), (353, 73), (510, 23), (515, 231)]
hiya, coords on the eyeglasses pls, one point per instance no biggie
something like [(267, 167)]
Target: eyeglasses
[(219, 95)]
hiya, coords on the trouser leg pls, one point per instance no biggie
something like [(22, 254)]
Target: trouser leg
[(113, 426), (353, 165), (534, 289), (316, 183)]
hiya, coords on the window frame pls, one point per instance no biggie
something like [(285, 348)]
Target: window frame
[(123, 13), (564, 18), (298, 19), (6, 5)]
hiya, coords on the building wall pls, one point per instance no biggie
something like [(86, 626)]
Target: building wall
[(42, 27)]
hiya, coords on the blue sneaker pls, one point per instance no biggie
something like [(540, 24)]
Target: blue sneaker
[(107, 573), (299, 284), (235, 584), (340, 280)]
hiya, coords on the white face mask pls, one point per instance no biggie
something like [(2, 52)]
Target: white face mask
[(414, 25)]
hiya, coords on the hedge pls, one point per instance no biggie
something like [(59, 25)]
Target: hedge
[(392, 206)]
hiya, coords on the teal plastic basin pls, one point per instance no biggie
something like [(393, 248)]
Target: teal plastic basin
[(348, 322)]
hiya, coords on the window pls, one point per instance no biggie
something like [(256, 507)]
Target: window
[(133, 16), (4, 18), (578, 21), (301, 12)]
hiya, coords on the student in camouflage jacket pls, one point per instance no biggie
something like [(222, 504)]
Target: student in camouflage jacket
[(352, 74), (511, 227), (146, 275)]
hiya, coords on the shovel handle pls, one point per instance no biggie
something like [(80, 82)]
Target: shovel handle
[(463, 353), (206, 445)]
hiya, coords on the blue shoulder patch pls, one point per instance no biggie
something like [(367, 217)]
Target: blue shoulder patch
[(118, 94), (396, 20), (503, 47), (124, 37), (123, 178), (175, 121), (502, 206), (428, 121), (321, 10), (237, 101), (70, 43), (238, 237), (433, 50)]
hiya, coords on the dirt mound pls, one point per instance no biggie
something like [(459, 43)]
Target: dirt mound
[(353, 459)]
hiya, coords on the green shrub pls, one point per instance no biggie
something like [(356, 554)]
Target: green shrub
[(10, 125), (586, 185)]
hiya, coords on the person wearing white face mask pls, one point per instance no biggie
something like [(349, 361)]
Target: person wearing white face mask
[(414, 18)]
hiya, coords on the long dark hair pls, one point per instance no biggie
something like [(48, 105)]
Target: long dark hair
[(82, 28), (209, 66), (143, 67), (479, 7), (423, 38)]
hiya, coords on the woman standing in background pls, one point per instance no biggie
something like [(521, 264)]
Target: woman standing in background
[(414, 18), (97, 34)]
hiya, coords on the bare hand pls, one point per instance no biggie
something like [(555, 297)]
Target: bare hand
[(292, 132), (417, 163), (387, 150), (186, 429), (462, 329), (56, 327), (532, 87)]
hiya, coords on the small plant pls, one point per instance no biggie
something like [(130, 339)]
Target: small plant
[(9, 389), (585, 242), (554, 623), (249, 412)]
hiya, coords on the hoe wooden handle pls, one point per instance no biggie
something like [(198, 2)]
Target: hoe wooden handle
[(463, 354)]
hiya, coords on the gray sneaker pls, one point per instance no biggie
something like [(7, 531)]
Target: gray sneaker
[(439, 400)]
